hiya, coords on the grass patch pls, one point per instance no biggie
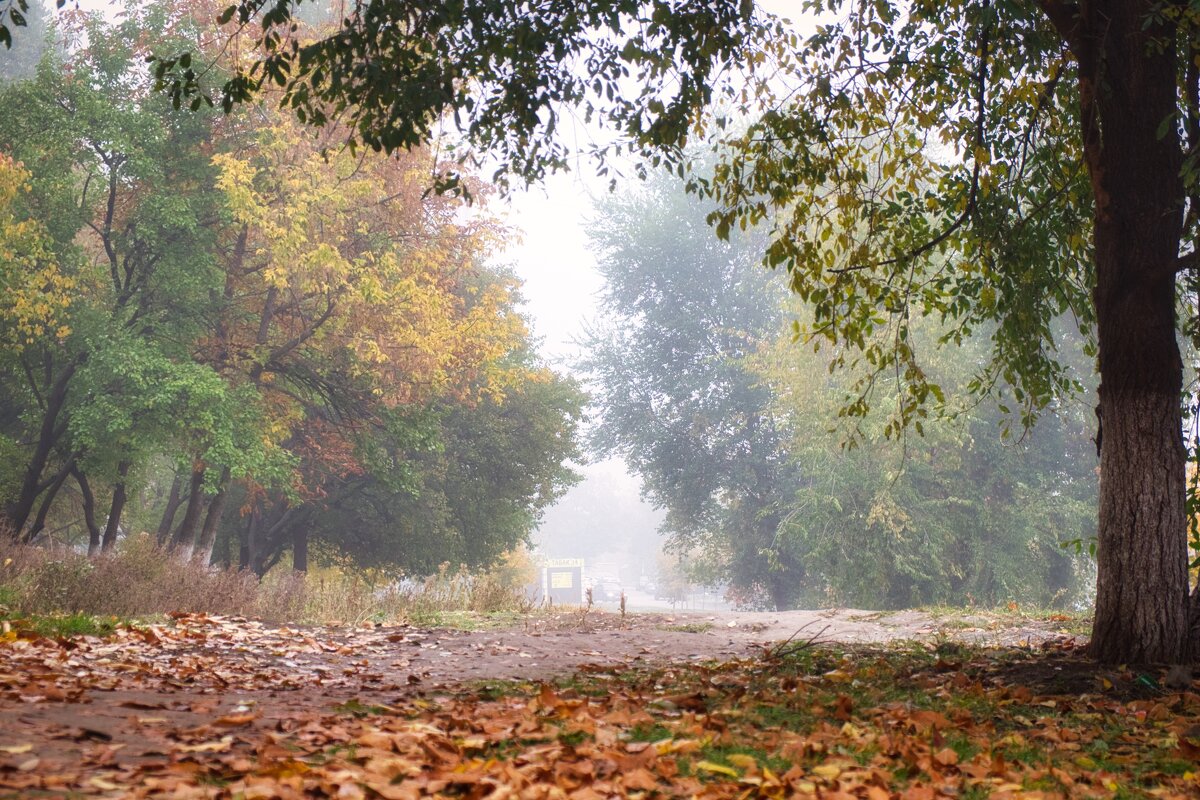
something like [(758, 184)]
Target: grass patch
[(69, 625), (573, 738), (649, 733), (687, 627), (721, 754)]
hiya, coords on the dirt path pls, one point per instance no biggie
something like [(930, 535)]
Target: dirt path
[(87, 714)]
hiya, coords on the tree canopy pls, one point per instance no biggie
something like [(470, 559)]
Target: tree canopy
[(216, 329), (699, 385)]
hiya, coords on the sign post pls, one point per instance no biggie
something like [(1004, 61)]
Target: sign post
[(562, 580)]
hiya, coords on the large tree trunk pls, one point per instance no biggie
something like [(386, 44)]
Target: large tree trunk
[(119, 497), (174, 501), (17, 512), (1128, 96), (184, 541)]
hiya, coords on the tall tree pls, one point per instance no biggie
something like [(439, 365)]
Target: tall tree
[(676, 397), (981, 159), (993, 162)]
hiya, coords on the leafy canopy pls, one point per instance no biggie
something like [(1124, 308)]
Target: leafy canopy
[(922, 160), (504, 76)]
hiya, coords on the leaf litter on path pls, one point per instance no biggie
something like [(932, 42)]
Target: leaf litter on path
[(578, 707)]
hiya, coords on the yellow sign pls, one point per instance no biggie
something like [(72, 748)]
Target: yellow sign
[(561, 580)]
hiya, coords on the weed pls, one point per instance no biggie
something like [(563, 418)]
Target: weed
[(649, 733)]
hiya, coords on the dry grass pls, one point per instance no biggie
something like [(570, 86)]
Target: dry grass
[(141, 579)]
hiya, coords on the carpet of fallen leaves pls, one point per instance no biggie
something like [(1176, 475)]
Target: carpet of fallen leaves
[(227, 708)]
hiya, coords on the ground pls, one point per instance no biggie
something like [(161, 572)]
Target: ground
[(836, 704)]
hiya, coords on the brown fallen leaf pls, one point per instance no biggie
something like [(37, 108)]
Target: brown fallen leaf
[(235, 720)]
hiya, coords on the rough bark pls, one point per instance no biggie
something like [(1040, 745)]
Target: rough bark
[(212, 521), (1128, 90), (174, 501), (184, 540), (113, 527), (89, 511)]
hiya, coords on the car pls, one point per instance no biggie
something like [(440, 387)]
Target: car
[(606, 592)]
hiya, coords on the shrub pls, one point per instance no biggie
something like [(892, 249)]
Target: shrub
[(142, 579)]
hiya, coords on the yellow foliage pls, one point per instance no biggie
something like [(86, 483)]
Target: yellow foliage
[(348, 257), (34, 293)]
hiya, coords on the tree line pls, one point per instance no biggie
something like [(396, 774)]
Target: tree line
[(733, 427), (246, 340)]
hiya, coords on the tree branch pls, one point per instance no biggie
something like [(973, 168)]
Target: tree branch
[(1065, 19)]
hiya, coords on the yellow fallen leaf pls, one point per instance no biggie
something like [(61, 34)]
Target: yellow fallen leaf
[(16, 748), (827, 771), (219, 746), (742, 760), (721, 769)]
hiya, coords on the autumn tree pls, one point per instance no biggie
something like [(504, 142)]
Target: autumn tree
[(111, 157), (347, 292), (225, 299)]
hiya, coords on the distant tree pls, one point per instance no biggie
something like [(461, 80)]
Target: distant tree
[(957, 515), (218, 298), (20, 55), (460, 483), (676, 396), (110, 157)]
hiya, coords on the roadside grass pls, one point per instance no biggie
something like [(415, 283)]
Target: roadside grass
[(687, 627), (60, 587), (909, 721), (950, 618)]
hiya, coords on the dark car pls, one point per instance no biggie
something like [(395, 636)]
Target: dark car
[(606, 592)]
